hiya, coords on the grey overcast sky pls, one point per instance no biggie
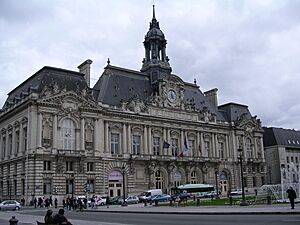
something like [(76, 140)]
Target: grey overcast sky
[(248, 49)]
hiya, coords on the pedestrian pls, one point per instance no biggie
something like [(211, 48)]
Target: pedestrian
[(107, 201), (55, 203), (48, 219), (291, 196), (34, 202), (60, 219)]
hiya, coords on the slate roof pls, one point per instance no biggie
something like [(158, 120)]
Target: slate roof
[(65, 79), (278, 136), (232, 111)]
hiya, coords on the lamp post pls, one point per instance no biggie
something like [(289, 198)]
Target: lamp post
[(217, 186), (243, 201), (123, 173)]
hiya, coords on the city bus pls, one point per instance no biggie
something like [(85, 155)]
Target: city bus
[(198, 190)]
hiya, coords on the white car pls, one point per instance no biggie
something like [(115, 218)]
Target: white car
[(10, 204), (236, 192)]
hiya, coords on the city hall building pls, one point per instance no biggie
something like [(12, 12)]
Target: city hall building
[(61, 137)]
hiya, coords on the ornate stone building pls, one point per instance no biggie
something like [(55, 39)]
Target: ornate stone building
[(150, 126)]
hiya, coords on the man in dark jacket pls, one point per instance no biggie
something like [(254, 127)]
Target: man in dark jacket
[(60, 219), (292, 196)]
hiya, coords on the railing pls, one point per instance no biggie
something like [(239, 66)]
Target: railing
[(62, 152)]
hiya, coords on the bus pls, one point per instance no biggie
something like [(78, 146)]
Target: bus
[(198, 190)]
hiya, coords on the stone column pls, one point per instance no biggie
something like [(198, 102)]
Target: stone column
[(129, 139), (145, 141), (165, 138), (101, 135), (106, 137), (198, 145), (13, 149), (214, 149), (55, 140), (6, 143), (227, 152), (203, 153), (82, 131), (150, 151), (262, 149), (97, 136), (20, 140), (39, 130), (124, 144)]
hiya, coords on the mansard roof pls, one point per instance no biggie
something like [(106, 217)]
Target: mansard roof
[(274, 136), (47, 76), (234, 111)]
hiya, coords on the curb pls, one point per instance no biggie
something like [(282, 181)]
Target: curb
[(196, 213)]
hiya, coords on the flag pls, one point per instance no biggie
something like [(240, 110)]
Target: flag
[(166, 145), (185, 149)]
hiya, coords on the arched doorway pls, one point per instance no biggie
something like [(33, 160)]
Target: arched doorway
[(115, 184), (224, 183)]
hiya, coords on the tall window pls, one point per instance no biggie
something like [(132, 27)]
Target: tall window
[(90, 166), (24, 139), (4, 146), (9, 144), (249, 148), (114, 143), (15, 187), (174, 146), (23, 186), (17, 141), (194, 177), (221, 150), (68, 134), (207, 148), (156, 145), (69, 186), (91, 184), (136, 144), (191, 147), (159, 180), (47, 186), (69, 166), (47, 165)]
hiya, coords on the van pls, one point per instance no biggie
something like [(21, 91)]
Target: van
[(149, 194)]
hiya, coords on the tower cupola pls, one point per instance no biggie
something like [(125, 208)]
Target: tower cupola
[(155, 50)]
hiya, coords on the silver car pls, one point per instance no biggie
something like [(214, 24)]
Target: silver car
[(10, 204)]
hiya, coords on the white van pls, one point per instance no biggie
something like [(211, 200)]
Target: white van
[(149, 194)]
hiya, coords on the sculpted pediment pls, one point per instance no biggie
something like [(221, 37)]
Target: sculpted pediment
[(249, 124), (69, 101)]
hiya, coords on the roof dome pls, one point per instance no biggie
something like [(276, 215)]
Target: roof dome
[(155, 32)]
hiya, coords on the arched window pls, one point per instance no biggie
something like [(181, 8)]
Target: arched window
[(249, 148), (68, 134), (194, 177), (159, 180)]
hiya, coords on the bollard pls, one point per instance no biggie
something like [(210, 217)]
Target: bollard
[(269, 200), (230, 200), (198, 201), (13, 221), (156, 203), (171, 202), (145, 203)]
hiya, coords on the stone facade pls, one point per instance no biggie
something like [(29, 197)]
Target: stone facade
[(148, 126)]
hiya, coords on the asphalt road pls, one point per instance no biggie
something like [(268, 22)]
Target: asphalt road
[(103, 218)]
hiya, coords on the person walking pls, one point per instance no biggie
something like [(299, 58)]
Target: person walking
[(291, 196), (55, 203)]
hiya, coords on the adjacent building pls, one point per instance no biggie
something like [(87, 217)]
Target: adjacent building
[(61, 137), (282, 151)]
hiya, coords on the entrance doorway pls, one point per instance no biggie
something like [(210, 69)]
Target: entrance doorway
[(115, 184)]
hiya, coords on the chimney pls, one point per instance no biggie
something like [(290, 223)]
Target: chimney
[(85, 68), (212, 96)]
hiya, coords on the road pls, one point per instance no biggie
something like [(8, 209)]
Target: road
[(28, 217)]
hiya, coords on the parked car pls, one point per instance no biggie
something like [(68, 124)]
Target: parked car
[(211, 194), (161, 198), (115, 200), (132, 200), (100, 201), (236, 192), (10, 204)]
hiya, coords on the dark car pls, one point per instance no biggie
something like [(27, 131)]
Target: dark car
[(115, 200)]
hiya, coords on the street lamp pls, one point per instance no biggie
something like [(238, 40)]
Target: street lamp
[(123, 173), (243, 202), (217, 186)]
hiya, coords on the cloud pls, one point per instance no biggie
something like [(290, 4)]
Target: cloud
[(247, 49)]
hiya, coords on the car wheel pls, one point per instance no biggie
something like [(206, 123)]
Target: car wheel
[(17, 208), (101, 203)]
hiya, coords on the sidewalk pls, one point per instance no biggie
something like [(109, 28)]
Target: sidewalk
[(234, 209)]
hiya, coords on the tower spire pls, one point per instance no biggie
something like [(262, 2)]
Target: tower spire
[(153, 12)]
